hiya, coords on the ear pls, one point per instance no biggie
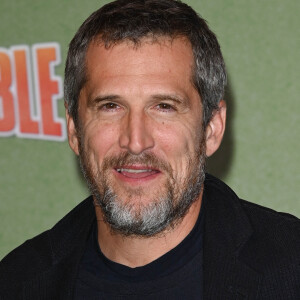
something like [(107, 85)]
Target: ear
[(72, 133), (215, 129)]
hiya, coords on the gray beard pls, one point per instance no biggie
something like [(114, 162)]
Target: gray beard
[(162, 213)]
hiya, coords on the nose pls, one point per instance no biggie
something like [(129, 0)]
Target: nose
[(136, 135)]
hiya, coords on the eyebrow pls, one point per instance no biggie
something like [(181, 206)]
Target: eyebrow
[(98, 99), (173, 97)]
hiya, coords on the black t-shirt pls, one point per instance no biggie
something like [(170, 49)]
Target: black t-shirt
[(177, 274)]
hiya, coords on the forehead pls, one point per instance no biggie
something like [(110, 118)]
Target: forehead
[(149, 56)]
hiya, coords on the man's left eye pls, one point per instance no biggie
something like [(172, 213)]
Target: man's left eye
[(165, 106)]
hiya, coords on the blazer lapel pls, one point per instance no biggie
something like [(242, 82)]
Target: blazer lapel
[(227, 230), (68, 240)]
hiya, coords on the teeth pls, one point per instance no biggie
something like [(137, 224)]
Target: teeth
[(133, 171)]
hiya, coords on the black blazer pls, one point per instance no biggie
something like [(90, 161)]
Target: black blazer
[(250, 252)]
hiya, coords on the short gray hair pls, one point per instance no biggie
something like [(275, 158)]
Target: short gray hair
[(135, 19)]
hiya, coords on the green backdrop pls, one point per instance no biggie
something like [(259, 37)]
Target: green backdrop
[(259, 157)]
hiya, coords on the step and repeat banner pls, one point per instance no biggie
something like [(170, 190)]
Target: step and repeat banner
[(40, 180)]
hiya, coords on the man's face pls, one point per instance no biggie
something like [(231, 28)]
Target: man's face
[(140, 136)]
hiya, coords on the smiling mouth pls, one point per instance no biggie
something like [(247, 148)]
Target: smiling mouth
[(137, 173)]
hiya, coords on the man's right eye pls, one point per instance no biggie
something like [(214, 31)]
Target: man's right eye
[(109, 106)]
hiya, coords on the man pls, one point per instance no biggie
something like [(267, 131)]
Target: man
[(144, 85)]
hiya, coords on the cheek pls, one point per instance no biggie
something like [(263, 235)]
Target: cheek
[(179, 137), (179, 143), (99, 141)]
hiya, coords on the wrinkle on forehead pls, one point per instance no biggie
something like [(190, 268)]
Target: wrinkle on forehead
[(179, 47)]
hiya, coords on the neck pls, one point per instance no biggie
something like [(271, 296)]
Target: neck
[(134, 251)]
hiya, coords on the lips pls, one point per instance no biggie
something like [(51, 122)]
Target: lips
[(137, 172)]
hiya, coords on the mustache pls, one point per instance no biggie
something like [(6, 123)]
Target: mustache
[(127, 159)]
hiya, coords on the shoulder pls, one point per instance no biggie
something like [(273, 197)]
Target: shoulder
[(38, 254), (24, 262), (270, 234), (262, 218), (266, 216), (266, 241), (31, 251), (277, 232)]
